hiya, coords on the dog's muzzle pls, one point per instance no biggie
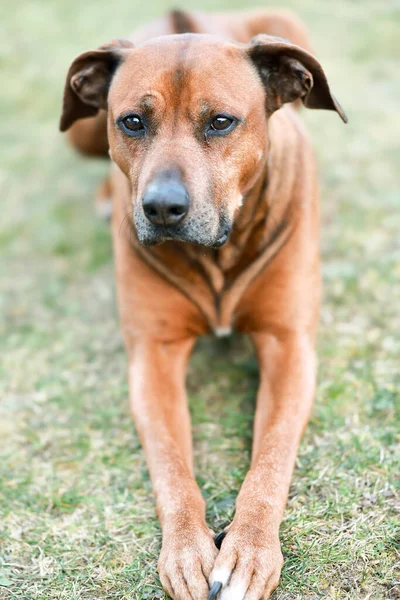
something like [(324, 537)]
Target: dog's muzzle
[(167, 212)]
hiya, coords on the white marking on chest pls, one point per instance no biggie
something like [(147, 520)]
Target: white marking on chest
[(223, 331)]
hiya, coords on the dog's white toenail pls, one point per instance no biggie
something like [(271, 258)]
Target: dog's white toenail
[(220, 574)]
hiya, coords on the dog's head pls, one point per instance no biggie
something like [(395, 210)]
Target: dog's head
[(187, 122)]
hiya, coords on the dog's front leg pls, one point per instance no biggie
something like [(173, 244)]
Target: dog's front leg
[(250, 559), (159, 406)]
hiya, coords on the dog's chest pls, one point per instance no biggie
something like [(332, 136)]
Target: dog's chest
[(216, 280)]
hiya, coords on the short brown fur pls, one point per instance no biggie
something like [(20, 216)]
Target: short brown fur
[(264, 281)]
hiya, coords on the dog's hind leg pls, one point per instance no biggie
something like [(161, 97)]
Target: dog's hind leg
[(89, 136), (104, 200)]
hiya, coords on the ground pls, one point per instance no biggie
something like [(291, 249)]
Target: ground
[(77, 513)]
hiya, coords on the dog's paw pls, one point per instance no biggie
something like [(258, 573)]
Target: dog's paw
[(186, 561), (248, 565)]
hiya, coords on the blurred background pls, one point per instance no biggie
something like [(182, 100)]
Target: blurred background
[(77, 513)]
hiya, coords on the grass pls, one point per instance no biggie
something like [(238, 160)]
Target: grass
[(77, 513)]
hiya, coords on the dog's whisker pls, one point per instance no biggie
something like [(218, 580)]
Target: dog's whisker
[(123, 221)]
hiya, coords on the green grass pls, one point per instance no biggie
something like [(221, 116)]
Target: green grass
[(77, 513)]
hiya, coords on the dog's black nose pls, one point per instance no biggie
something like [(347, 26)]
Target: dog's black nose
[(166, 200)]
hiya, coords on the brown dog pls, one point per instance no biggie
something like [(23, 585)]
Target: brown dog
[(218, 191)]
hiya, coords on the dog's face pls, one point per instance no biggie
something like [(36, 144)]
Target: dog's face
[(187, 123), (188, 129)]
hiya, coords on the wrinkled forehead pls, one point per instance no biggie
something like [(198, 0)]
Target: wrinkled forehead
[(200, 70)]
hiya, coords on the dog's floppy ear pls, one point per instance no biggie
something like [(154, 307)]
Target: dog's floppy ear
[(289, 72), (88, 81)]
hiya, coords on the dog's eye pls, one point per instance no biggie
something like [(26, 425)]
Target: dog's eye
[(132, 124), (221, 123)]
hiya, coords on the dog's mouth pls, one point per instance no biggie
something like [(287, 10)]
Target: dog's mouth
[(221, 241), (155, 236)]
